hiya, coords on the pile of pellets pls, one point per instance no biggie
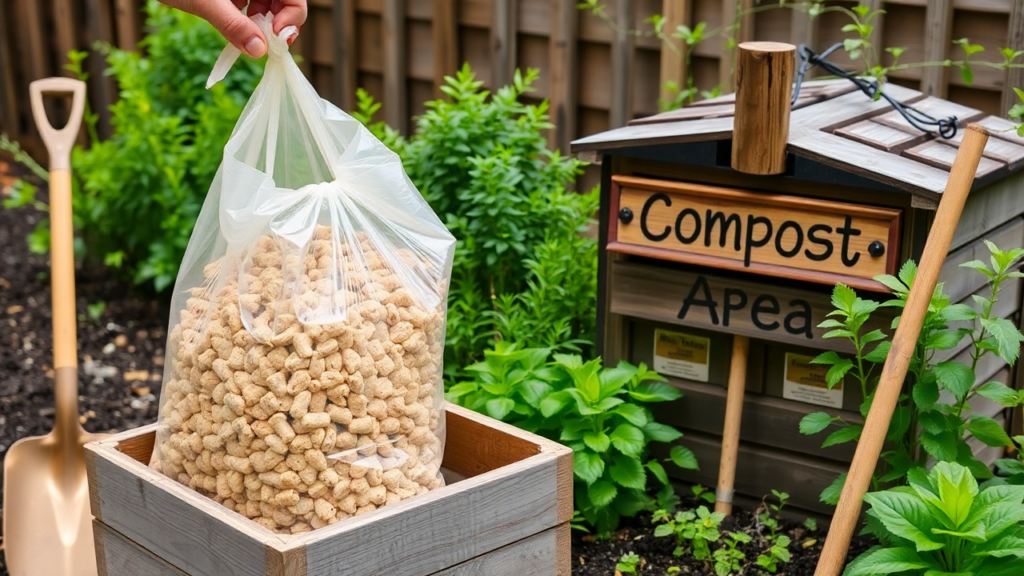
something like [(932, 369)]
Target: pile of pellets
[(294, 425)]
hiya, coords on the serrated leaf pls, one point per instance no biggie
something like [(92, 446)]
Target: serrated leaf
[(958, 313), (943, 339), (498, 408), (891, 282), (601, 493), (879, 354), (633, 414), (628, 439), (1000, 393), (843, 297), (955, 377), (989, 431), (925, 393), (906, 516), (827, 358), (597, 441), (1007, 337), (815, 422), (830, 495), (843, 435), (684, 458), (587, 466), (880, 560), (941, 445), (661, 432), (626, 471)]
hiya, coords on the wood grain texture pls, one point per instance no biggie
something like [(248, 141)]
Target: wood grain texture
[(503, 41), (343, 16), (516, 485), (395, 81), (64, 33), (445, 33), (764, 79), (119, 556), (127, 15), (941, 155), (673, 62), (988, 208), (880, 136), (733, 423), (659, 294), (538, 555), (999, 149), (802, 29), (959, 282), (99, 20), (9, 115), (622, 65), (562, 94), (1015, 41), (937, 32), (904, 340), (935, 107), (672, 218)]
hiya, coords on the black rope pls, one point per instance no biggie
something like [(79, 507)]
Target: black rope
[(946, 127)]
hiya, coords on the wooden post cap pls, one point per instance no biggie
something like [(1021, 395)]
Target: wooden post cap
[(764, 84)]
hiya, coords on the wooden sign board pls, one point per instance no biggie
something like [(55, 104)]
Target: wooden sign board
[(777, 235), (737, 306)]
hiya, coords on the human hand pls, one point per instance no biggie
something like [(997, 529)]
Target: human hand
[(239, 29)]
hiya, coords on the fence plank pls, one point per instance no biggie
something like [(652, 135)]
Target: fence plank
[(343, 15), (445, 33), (938, 28), (9, 119), (64, 35), (876, 33), (98, 18), (503, 41), (802, 29), (35, 50), (622, 65), (673, 65), (734, 12), (1015, 40), (395, 81), (128, 15), (562, 91)]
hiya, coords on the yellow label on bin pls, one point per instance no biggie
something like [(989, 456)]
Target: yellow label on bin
[(806, 382), (680, 354)]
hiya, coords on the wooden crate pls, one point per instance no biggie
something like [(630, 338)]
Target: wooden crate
[(505, 511)]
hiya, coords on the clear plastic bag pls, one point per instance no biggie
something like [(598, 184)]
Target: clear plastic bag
[(303, 376)]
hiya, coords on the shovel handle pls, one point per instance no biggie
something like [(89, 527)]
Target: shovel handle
[(58, 142), (62, 253)]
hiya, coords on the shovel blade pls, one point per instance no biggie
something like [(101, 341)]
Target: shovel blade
[(46, 517)]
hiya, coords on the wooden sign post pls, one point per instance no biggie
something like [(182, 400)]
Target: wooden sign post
[(890, 385), (764, 79)]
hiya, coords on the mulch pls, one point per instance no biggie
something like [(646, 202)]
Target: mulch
[(121, 349)]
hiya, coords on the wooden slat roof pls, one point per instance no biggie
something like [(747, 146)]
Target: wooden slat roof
[(836, 125)]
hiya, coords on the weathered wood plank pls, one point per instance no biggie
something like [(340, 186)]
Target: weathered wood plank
[(343, 15), (563, 73), (622, 65), (660, 133), (959, 282), (1015, 41), (673, 64), (64, 31), (396, 107), (934, 106), (988, 208), (10, 121), (998, 149), (937, 32), (128, 16), (544, 554), (503, 41), (941, 155), (756, 308), (847, 108), (103, 91), (445, 35), (880, 136), (119, 556), (878, 22)]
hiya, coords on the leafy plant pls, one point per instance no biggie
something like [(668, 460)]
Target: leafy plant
[(601, 413), (769, 518), (628, 564), (728, 557), (694, 530), (524, 271), (777, 554), (941, 524), (1011, 470), (703, 493), (944, 426)]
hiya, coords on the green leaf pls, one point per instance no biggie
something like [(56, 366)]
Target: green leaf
[(843, 297), (990, 432), (958, 313), (955, 377), (906, 516), (655, 392), (1007, 336), (926, 393), (633, 414), (684, 458), (601, 493), (554, 404), (1000, 393), (815, 422), (597, 441), (628, 439), (943, 340), (661, 432), (830, 495), (626, 471), (587, 466), (879, 354), (880, 560), (498, 408), (891, 282), (837, 372), (967, 74), (942, 445), (843, 435), (659, 471), (830, 357)]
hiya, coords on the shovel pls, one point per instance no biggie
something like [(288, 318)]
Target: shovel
[(47, 523)]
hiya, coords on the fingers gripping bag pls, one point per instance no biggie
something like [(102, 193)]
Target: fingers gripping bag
[(303, 376)]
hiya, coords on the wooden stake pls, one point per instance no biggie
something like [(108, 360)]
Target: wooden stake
[(764, 84), (845, 520), (731, 430)]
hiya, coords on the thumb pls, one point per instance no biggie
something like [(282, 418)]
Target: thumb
[(237, 28)]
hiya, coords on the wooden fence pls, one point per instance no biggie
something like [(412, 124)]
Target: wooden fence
[(595, 76)]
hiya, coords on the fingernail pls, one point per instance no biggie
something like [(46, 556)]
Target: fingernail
[(255, 47), (292, 38)]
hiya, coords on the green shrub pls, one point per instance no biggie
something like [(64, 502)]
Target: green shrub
[(601, 413), (523, 270), (140, 191), (942, 524)]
